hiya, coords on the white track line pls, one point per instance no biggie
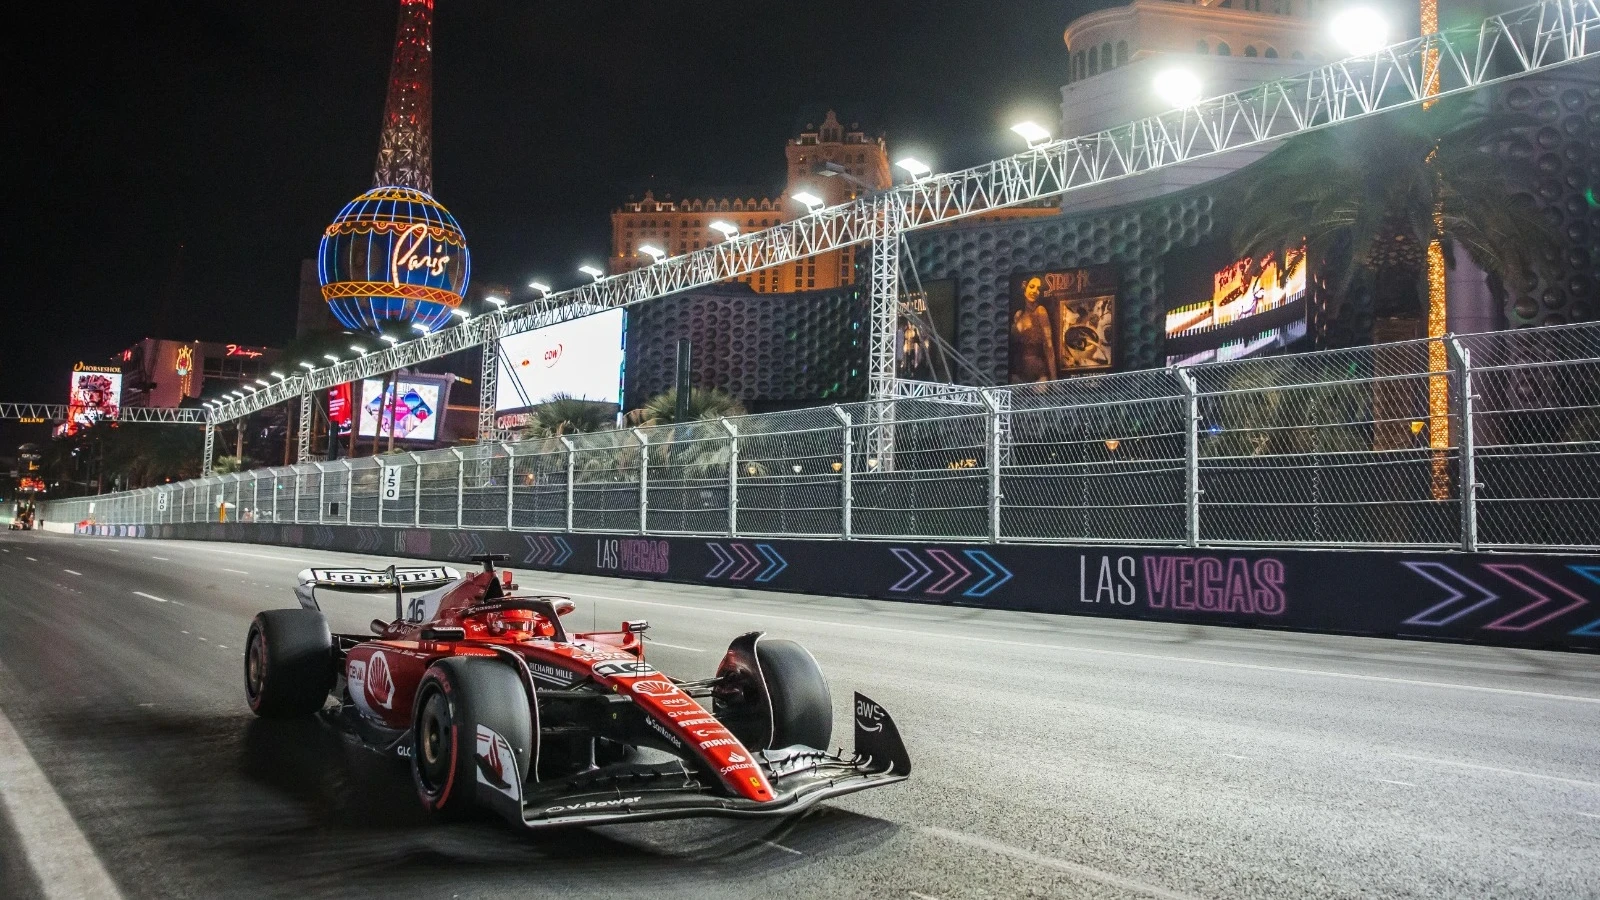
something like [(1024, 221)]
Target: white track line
[(656, 643), (237, 571), (162, 558), (1463, 765), (1128, 654), (63, 863), (30, 559), (71, 572), (1107, 878), (150, 596), (783, 848)]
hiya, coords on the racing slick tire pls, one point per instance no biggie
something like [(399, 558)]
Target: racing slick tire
[(802, 706), (288, 663), (462, 705)]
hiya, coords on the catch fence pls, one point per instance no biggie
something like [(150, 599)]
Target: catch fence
[(1477, 441)]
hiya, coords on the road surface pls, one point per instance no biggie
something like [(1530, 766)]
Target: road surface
[(1054, 756)]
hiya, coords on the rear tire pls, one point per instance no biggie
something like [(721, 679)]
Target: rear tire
[(288, 663), (802, 706), (456, 696)]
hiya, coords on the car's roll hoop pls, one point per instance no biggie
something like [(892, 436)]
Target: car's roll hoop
[(394, 578)]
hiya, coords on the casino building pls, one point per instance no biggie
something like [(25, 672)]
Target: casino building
[(165, 373)]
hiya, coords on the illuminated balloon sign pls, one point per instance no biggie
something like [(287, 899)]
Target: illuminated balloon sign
[(393, 254)]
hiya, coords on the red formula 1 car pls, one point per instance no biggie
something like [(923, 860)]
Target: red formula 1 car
[(496, 705)]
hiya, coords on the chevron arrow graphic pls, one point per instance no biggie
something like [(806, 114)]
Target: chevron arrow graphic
[(1593, 574), (994, 574), (1459, 603), (565, 553), (917, 570), (547, 550), (751, 562), (775, 563), (725, 561), (531, 558), (1551, 595), (955, 572)]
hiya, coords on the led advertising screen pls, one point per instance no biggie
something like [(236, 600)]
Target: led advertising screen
[(95, 394), (581, 358), (1250, 306), (927, 320), (1062, 322), (416, 418)]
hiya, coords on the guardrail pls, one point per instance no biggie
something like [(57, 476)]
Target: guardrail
[(1488, 440)]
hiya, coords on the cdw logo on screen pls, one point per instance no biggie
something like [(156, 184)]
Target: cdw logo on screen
[(552, 355)]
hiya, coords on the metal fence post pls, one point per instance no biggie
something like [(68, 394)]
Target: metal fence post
[(1191, 459), (993, 434), (1468, 475), (572, 469), (461, 484), (416, 497), (255, 496), (644, 479), (511, 485), (733, 475), (349, 490), (846, 481), (322, 493), (295, 515)]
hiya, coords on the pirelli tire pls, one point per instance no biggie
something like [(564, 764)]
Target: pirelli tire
[(802, 705), (288, 663), (456, 696)]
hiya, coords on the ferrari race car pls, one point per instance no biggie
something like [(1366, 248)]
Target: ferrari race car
[(496, 705)]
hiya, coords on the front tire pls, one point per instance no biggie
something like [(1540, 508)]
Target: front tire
[(288, 663), (456, 699)]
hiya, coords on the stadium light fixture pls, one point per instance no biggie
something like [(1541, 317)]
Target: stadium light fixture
[(914, 167), (541, 287), (1177, 87), (655, 253), (307, 366), (728, 230), (279, 375), (263, 382), (1360, 30), (1032, 132), (592, 272), (359, 349), (330, 357), (391, 341), (251, 388), (420, 328), (812, 201), (458, 311)]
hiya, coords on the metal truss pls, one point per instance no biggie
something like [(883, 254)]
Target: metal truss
[(57, 412), (303, 447), (488, 380), (1533, 39)]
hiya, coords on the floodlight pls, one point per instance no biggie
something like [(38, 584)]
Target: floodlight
[(263, 382), (812, 201), (458, 311), (655, 253), (1031, 132), (308, 366), (916, 168), (592, 272), (279, 375), (391, 341), (728, 229), (1178, 87), (539, 286), (251, 388), (419, 328), (330, 357), (359, 349), (1360, 30)]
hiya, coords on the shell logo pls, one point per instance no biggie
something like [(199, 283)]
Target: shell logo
[(380, 684)]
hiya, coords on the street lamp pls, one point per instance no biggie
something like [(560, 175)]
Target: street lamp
[(1360, 30), (541, 287), (592, 272), (1031, 132), (655, 253), (914, 167), (728, 229), (812, 201), (1178, 87)]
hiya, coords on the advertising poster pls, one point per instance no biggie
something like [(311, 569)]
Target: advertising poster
[(581, 359), (1239, 308), (416, 416), (95, 394), (927, 317), (1062, 323), (339, 407)]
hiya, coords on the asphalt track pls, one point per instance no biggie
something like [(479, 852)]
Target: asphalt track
[(1055, 756)]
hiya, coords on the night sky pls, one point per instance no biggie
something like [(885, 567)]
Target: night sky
[(168, 164)]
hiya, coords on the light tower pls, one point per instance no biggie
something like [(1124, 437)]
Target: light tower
[(405, 152)]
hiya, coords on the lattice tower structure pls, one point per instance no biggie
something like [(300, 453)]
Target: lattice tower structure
[(405, 150)]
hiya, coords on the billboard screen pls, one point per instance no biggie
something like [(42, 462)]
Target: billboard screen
[(416, 418), (927, 319), (95, 394), (1249, 306), (1062, 322), (581, 358)]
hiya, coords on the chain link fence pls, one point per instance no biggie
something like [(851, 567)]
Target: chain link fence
[(1489, 440)]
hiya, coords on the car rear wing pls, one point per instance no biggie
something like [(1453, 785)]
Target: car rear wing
[(398, 579)]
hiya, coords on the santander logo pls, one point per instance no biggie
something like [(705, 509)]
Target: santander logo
[(380, 684)]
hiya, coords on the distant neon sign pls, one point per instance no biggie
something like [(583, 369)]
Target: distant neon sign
[(236, 350)]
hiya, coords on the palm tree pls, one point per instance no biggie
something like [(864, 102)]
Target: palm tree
[(1365, 198), (564, 414), (662, 409)]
